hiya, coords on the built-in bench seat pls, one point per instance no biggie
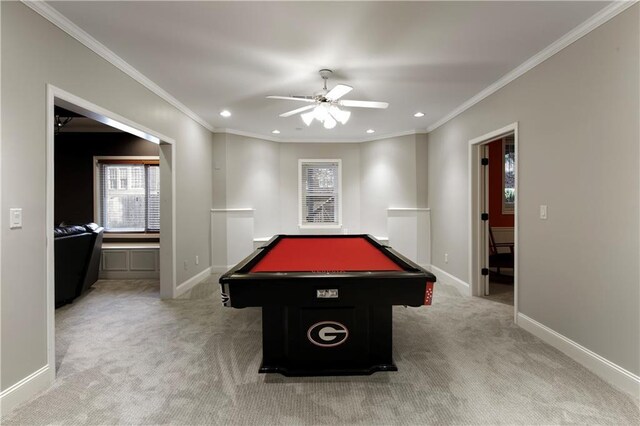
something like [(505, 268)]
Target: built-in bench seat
[(135, 260)]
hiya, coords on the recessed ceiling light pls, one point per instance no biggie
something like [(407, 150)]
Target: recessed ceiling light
[(275, 132), (418, 114), (371, 131), (225, 113)]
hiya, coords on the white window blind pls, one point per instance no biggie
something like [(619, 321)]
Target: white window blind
[(319, 192), (129, 196)]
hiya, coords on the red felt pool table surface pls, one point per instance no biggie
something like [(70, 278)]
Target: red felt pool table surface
[(328, 254)]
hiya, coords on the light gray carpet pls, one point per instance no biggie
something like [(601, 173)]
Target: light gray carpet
[(501, 293), (126, 357)]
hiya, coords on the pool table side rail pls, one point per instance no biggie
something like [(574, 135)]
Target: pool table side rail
[(245, 265), (397, 287)]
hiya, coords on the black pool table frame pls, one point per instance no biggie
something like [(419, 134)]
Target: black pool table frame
[(291, 307)]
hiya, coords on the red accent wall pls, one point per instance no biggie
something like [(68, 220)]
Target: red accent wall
[(496, 218)]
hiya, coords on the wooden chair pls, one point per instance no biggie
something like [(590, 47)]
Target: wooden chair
[(499, 259)]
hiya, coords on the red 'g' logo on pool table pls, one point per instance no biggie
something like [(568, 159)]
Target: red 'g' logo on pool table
[(327, 334)]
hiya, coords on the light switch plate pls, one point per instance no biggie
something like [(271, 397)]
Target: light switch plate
[(15, 218), (543, 212)]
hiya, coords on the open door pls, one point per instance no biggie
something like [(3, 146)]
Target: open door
[(484, 218)]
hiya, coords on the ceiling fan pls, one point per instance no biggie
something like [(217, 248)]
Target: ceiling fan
[(325, 104)]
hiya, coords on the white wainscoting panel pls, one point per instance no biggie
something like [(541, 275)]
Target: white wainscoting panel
[(410, 233), (115, 260), (122, 261), (143, 260), (231, 237)]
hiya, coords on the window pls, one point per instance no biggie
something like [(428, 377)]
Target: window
[(128, 194), (509, 175), (320, 193)]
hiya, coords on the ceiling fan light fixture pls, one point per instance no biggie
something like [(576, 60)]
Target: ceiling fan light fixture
[(308, 117), (321, 112), (339, 115), (325, 104), (329, 122)]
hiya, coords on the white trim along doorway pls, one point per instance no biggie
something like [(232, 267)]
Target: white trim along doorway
[(477, 230), (59, 97)]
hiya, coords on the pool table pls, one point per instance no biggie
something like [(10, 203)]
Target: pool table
[(326, 301)]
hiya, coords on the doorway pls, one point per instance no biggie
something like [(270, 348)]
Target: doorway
[(59, 98), (499, 200), (493, 215)]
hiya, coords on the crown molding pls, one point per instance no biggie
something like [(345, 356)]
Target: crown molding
[(83, 37), (578, 32), (59, 20), (344, 140), (246, 134)]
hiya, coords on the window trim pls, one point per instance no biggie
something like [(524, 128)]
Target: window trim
[(507, 208), (97, 159), (302, 225)]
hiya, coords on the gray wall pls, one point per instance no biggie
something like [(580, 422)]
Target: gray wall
[(263, 175), (34, 53), (393, 174), (578, 115), (249, 171)]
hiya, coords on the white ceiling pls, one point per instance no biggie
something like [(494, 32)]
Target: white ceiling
[(418, 56)]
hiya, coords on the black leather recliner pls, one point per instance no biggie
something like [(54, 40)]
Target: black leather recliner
[(93, 264), (77, 259)]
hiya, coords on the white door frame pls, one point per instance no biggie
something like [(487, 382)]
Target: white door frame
[(74, 103), (483, 207), (475, 230)]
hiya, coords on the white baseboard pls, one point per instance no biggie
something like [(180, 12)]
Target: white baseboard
[(220, 269), (25, 389), (609, 371), (129, 275), (191, 282), (447, 278)]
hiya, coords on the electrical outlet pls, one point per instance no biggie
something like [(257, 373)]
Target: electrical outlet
[(446, 258), (186, 265), (197, 260)]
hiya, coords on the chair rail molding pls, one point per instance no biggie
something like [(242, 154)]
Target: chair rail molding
[(232, 210)]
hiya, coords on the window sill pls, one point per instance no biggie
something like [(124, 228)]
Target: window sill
[(319, 226), (137, 236)]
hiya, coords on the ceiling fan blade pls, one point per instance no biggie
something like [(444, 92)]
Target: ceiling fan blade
[(294, 98), (337, 92), (295, 111), (363, 104)]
